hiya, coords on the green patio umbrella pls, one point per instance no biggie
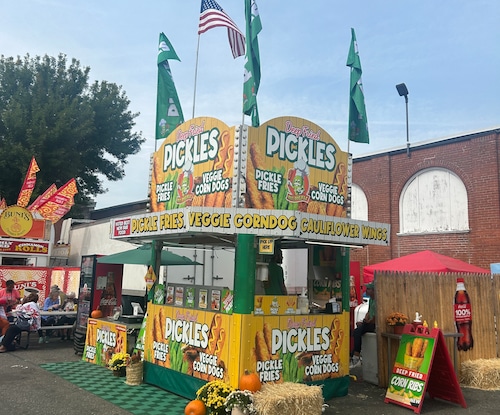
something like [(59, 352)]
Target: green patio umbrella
[(142, 256)]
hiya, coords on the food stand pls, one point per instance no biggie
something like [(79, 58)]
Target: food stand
[(286, 182)]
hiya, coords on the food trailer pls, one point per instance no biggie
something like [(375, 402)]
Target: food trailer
[(285, 183)]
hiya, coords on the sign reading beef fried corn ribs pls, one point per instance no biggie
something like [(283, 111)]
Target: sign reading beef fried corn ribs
[(293, 164)]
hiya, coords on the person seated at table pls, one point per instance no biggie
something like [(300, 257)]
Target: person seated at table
[(9, 297), (4, 322), (51, 303), (367, 325), (28, 308), (68, 305)]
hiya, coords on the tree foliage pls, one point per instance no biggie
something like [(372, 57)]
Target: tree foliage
[(49, 110)]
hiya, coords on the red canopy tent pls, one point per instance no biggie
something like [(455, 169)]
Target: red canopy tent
[(424, 261)]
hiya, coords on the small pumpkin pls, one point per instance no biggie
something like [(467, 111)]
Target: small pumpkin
[(195, 407), (249, 381), (96, 314)]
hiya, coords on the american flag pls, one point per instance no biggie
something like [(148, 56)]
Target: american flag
[(212, 16)]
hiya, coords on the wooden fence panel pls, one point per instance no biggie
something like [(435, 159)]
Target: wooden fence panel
[(432, 295), (495, 295)]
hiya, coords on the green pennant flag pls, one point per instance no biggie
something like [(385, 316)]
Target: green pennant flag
[(168, 108), (358, 123), (251, 76)]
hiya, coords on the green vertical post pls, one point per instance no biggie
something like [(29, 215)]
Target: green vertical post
[(156, 248), (346, 270), (244, 274)]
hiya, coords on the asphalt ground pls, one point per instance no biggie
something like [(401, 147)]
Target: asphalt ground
[(27, 388)]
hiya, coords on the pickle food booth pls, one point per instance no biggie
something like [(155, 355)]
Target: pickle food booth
[(285, 183)]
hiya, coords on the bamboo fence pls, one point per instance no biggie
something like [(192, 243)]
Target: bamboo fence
[(432, 295)]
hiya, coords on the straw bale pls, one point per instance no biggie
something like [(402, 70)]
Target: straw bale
[(289, 398), (481, 374)]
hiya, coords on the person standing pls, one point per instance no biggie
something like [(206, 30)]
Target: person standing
[(275, 285), (9, 298), (367, 325)]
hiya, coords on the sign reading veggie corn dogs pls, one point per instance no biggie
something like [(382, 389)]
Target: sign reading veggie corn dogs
[(191, 342), (103, 339), (294, 164), (194, 166)]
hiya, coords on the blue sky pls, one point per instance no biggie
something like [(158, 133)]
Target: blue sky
[(446, 52)]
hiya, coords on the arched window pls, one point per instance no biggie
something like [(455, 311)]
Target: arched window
[(359, 203), (434, 200)]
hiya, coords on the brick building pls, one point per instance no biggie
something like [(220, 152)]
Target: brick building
[(444, 195)]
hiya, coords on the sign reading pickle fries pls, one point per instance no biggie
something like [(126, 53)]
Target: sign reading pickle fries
[(303, 225), (279, 348), (294, 164), (194, 166), (191, 342), (291, 164), (103, 339)]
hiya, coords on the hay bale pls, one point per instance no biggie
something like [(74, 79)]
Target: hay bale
[(481, 374), (289, 398)]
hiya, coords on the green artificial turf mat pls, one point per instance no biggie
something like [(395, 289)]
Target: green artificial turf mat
[(141, 399)]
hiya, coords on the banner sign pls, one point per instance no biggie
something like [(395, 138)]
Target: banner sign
[(16, 221), (104, 338), (192, 342), (24, 247), (251, 221), (288, 164), (281, 348), (194, 166), (294, 164)]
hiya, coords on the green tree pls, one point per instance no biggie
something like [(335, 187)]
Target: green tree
[(49, 110)]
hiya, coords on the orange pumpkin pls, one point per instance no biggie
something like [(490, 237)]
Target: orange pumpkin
[(195, 407), (250, 382), (96, 314)]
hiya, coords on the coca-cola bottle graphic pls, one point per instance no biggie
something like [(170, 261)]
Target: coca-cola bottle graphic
[(463, 317), (108, 296)]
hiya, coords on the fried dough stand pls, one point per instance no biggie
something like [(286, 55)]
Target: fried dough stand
[(251, 188)]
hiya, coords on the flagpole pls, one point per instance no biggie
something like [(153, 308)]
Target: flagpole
[(240, 139), (196, 73)]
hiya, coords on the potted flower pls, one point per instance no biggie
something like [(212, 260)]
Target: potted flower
[(214, 394), (397, 320), (118, 363), (240, 402)]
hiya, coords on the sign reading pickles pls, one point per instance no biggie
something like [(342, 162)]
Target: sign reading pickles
[(103, 340), (292, 164), (295, 165), (297, 348), (194, 166), (188, 341)]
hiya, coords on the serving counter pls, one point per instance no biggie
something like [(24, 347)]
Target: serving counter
[(185, 347)]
